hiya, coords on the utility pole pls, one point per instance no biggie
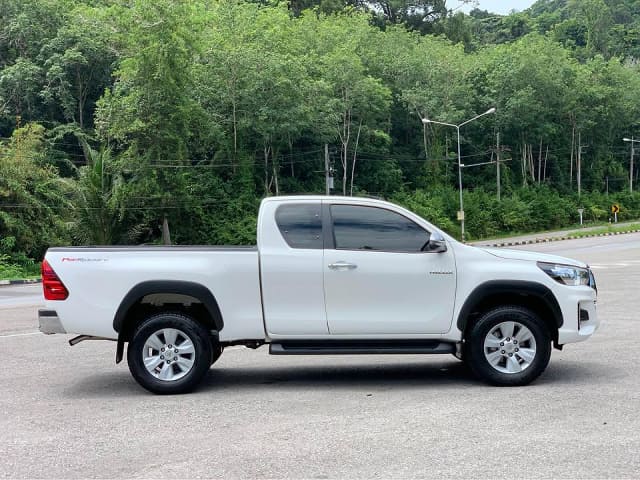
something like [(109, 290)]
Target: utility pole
[(498, 164), (633, 141), (499, 160), (579, 164), (631, 165), (426, 121), (326, 168)]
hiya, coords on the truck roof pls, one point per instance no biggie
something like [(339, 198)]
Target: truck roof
[(333, 198)]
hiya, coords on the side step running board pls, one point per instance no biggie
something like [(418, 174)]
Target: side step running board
[(372, 347)]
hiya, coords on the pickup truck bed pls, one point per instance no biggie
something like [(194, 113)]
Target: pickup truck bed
[(107, 273)]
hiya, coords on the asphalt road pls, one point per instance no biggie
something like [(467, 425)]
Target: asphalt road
[(70, 412)]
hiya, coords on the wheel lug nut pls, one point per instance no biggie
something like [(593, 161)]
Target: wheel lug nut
[(508, 340), (502, 344), (511, 354), (515, 342), (175, 350), (503, 352), (175, 359), (168, 362), (161, 357), (517, 349), (169, 346), (162, 349)]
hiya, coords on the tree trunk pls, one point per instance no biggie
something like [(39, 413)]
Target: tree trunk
[(267, 184), (293, 173), (166, 234), (345, 138), (540, 162), (344, 155), (531, 164), (275, 176), (523, 166), (235, 135), (355, 153)]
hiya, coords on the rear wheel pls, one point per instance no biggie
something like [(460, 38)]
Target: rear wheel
[(169, 353), (508, 346)]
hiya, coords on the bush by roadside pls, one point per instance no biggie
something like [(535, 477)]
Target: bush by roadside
[(14, 271), (525, 210)]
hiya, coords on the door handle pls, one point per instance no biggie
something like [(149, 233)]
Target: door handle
[(343, 266)]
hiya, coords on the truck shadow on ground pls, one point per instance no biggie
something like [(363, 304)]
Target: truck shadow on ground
[(413, 375)]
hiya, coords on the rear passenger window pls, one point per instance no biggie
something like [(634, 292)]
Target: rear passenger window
[(301, 225)]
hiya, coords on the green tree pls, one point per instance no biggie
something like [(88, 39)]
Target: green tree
[(596, 17), (34, 201), (77, 62), (150, 112)]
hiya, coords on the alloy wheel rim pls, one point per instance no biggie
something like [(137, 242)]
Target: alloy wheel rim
[(168, 354), (510, 347)]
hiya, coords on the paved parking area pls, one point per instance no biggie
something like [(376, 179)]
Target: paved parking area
[(72, 413)]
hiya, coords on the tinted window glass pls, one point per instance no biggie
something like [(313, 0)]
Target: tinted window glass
[(300, 225), (370, 228)]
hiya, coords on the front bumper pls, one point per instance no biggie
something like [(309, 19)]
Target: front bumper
[(49, 323), (580, 316)]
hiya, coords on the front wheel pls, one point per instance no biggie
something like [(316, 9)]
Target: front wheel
[(508, 346), (169, 353)]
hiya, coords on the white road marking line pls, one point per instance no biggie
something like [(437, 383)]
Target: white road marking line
[(604, 266), (20, 334)]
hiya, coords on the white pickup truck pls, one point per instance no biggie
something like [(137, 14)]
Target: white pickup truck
[(329, 276)]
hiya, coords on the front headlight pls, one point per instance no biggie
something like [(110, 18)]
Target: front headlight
[(567, 275)]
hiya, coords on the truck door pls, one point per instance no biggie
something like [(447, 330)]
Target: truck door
[(291, 251), (379, 281)]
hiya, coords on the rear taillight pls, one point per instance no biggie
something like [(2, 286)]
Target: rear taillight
[(53, 287)]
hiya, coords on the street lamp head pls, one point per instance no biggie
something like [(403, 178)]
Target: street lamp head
[(426, 121), (626, 139), (490, 111)]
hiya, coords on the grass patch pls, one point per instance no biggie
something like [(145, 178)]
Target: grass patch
[(604, 230), (585, 230)]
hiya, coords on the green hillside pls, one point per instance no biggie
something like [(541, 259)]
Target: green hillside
[(118, 115)]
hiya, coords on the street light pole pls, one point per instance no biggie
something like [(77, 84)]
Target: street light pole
[(461, 214), (427, 121), (633, 151)]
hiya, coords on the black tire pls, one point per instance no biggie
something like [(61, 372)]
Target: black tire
[(201, 356), (478, 362)]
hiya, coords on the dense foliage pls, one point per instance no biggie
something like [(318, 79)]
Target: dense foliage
[(121, 119)]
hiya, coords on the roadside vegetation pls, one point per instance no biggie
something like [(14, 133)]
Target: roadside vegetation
[(121, 120), (605, 230), (18, 269)]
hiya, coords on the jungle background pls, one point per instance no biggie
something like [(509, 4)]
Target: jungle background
[(124, 119)]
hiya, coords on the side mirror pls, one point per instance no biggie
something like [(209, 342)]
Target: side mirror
[(436, 244)]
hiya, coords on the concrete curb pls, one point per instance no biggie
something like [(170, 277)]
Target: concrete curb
[(554, 239), (20, 282)]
